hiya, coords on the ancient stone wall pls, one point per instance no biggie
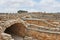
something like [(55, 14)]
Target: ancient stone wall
[(15, 24)]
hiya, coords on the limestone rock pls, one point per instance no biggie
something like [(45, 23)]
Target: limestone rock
[(6, 36)]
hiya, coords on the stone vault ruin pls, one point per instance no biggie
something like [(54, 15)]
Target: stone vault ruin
[(12, 27)]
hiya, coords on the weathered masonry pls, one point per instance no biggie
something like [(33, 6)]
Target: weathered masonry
[(29, 25)]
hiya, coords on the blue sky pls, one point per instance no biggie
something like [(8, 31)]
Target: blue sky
[(12, 6)]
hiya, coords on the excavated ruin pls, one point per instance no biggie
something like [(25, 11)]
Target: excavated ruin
[(10, 28), (30, 29), (18, 29), (43, 30)]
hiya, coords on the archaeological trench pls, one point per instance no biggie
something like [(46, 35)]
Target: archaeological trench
[(38, 26)]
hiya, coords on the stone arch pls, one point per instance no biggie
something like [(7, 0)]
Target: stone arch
[(16, 27)]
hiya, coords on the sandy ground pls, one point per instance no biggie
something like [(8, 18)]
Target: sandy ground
[(17, 37), (20, 38)]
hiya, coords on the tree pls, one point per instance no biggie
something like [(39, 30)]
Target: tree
[(22, 11)]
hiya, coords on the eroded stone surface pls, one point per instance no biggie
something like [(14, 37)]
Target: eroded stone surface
[(6, 36), (29, 38), (4, 25), (32, 34)]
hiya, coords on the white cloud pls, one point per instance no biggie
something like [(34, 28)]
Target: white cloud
[(15, 4), (33, 10), (49, 5), (2, 2), (30, 5)]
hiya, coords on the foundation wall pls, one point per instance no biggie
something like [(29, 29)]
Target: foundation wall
[(43, 36)]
